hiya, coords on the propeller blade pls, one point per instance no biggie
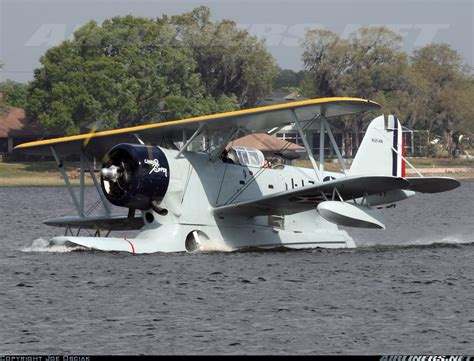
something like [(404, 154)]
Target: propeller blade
[(95, 126)]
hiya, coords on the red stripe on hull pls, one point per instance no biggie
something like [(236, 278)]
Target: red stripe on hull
[(131, 244)]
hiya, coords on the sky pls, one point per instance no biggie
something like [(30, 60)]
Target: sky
[(29, 27)]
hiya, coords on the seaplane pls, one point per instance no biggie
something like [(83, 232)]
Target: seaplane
[(186, 189)]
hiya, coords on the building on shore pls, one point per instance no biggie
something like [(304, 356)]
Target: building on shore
[(15, 129), (272, 148)]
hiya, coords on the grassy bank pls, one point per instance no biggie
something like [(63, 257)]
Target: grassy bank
[(441, 167), (37, 174), (47, 174)]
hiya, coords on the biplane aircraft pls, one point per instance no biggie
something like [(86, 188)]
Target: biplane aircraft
[(190, 198)]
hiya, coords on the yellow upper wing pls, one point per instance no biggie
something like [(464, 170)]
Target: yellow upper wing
[(255, 119)]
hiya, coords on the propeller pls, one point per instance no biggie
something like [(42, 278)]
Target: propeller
[(117, 172)]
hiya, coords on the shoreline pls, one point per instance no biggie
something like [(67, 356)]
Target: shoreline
[(23, 182), (464, 173)]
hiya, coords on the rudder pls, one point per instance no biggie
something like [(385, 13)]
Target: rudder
[(381, 150)]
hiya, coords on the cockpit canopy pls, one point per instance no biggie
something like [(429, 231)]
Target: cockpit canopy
[(247, 156)]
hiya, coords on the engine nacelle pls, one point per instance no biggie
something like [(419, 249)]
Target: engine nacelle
[(134, 175)]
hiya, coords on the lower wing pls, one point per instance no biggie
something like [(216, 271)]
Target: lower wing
[(303, 199)]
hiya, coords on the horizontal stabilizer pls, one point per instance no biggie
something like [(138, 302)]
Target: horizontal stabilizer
[(110, 222), (432, 184), (351, 215)]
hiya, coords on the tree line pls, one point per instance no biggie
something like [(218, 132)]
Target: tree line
[(133, 70), (13, 94), (431, 90)]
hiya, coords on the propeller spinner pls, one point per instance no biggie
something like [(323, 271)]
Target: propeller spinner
[(111, 173)]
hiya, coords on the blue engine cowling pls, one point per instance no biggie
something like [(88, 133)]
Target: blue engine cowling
[(134, 175)]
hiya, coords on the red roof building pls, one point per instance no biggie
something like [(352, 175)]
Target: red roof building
[(265, 143), (15, 129)]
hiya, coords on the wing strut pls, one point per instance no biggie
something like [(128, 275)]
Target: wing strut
[(79, 203), (96, 184), (334, 145), (217, 152), (81, 185), (196, 133), (321, 147), (68, 184), (306, 145)]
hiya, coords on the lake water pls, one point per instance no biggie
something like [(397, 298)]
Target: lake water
[(409, 289)]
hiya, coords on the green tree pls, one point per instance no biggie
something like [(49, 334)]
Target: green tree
[(3, 105), (131, 70), (118, 73), (229, 60), (369, 64), (328, 59), (15, 94), (179, 107), (448, 106), (288, 78)]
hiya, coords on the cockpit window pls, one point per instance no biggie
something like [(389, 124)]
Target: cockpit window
[(243, 157), (253, 158), (248, 156)]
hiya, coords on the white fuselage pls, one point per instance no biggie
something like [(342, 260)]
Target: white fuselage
[(197, 186)]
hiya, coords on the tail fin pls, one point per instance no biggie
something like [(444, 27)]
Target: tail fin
[(376, 154)]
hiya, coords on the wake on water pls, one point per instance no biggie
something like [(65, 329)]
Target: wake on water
[(458, 239), (419, 243), (43, 245), (214, 246)]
